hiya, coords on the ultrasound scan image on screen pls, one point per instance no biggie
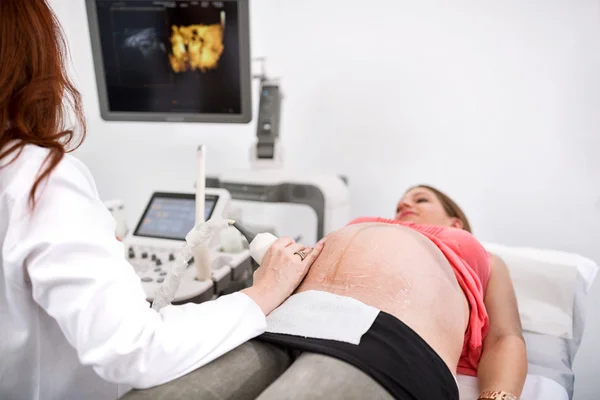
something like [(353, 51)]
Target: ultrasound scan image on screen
[(172, 216), (170, 56), (168, 218)]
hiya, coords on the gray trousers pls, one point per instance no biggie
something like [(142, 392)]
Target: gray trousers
[(257, 370)]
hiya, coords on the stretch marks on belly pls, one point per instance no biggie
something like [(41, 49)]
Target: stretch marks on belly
[(362, 261)]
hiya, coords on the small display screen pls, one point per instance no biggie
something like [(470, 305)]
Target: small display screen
[(172, 216)]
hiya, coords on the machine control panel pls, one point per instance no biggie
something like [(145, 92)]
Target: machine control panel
[(160, 234)]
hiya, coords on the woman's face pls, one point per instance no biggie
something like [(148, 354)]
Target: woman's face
[(421, 206)]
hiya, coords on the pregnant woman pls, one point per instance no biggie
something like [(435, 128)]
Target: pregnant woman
[(446, 307)]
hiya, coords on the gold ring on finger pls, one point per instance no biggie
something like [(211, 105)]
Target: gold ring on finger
[(301, 253)]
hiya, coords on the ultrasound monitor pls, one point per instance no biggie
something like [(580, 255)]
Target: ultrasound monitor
[(172, 215), (172, 60)]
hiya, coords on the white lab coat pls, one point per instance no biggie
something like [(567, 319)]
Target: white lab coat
[(74, 319)]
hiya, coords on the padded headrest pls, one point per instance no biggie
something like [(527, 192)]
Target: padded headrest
[(550, 287)]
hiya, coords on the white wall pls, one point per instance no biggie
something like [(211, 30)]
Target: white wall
[(498, 103)]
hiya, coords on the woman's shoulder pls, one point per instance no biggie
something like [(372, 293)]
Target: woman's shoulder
[(20, 170)]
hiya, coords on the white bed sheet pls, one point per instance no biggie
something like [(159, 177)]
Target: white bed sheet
[(536, 387)]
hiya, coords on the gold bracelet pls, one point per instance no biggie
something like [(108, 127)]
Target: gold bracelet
[(494, 395)]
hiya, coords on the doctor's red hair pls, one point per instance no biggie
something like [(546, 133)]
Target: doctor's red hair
[(36, 95)]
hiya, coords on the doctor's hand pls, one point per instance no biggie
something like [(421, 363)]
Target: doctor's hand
[(280, 273)]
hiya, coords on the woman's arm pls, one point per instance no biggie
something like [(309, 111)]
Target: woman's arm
[(79, 276), (503, 364)]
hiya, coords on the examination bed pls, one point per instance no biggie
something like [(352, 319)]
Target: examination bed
[(551, 288)]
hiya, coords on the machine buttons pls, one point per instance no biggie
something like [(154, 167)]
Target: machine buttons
[(153, 258), (171, 257), (144, 255), (157, 270), (147, 279), (160, 280), (158, 262), (163, 273)]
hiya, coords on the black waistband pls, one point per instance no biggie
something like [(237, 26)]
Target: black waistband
[(391, 353)]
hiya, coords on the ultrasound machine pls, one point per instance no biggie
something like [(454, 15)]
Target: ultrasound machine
[(189, 61), (160, 234)]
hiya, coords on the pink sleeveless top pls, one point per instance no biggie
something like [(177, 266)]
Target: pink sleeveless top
[(472, 268)]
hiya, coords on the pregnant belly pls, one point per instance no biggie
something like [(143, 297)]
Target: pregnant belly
[(399, 271)]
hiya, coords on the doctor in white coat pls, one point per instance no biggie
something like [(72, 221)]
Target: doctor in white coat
[(74, 319)]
